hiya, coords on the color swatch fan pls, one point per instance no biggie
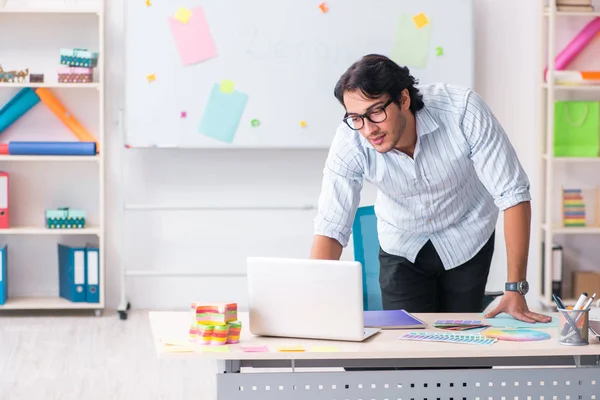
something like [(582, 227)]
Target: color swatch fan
[(459, 324)]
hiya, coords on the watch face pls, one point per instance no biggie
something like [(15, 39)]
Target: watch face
[(524, 287)]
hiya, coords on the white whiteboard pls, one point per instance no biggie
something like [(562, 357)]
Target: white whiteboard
[(284, 57)]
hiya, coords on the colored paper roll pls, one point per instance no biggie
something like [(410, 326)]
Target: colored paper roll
[(69, 120), (233, 336), (204, 334), (219, 336), (52, 148), (17, 107)]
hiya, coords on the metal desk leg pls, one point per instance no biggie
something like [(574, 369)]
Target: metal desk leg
[(229, 367)]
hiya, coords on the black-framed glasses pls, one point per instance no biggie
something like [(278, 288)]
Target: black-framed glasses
[(375, 115)]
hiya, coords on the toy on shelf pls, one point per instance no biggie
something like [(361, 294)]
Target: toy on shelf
[(574, 207), (214, 324), (14, 76), (65, 218)]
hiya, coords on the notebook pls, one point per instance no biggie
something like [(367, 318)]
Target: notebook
[(392, 319)]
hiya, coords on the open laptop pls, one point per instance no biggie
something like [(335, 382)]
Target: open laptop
[(304, 298)]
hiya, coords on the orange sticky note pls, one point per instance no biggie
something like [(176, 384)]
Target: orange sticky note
[(421, 20), (323, 7), (290, 348), (183, 15)]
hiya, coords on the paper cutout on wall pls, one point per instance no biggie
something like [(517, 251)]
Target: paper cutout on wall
[(411, 44), (183, 15), (421, 20), (439, 51), (227, 86), (151, 78), (193, 40), (222, 114)]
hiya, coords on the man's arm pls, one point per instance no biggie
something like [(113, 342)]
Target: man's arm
[(500, 171), (325, 248), (339, 199)]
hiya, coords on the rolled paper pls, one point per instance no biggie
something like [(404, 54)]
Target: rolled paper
[(216, 314), (193, 332), (235, 328), (69, 120), (219, 336), (4, 148), (20, 104), (204, 334)]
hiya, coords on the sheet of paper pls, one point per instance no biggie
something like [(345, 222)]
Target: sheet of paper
[(214, 349), (222, 114), (193, 40), (255, 349), (411, 44), (290, 348), (506, 321)]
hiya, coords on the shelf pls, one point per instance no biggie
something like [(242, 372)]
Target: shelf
[(580, 88), (48, 11), (45, 303), (574, 230), (52, 85), (551, 303), (573, 159), (573, 14), (50, 158), (33, 230)]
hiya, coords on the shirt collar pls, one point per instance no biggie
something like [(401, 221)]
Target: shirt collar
[(425, 122)]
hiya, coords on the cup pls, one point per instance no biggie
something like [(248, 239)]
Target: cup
[(573, 327)]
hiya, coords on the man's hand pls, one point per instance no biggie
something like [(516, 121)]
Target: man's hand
[(514, 304)]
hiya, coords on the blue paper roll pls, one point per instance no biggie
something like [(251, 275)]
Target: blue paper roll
[(17, 106), (52, 148)]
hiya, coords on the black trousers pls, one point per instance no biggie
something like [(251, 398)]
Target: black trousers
[(426, 287)]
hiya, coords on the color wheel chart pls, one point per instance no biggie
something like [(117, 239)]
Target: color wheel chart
[(516, 335)]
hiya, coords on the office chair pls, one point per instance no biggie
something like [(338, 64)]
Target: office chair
[(366, 251)]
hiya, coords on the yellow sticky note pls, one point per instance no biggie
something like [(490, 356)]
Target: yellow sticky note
[(290, 348), (148, 4), (324, 349), (183, 15), (227, 86), (214, 349), (421, 20), (303, 124), (151, 77)]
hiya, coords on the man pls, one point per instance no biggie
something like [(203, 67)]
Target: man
[(444, 168)]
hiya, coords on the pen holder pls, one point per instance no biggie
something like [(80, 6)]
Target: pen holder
[(573, 327)]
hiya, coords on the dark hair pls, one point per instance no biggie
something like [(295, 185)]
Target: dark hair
[(375, 75)]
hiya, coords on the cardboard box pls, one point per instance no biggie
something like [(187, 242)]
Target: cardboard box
[(586, 281)]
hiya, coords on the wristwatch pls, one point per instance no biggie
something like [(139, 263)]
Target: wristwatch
[(521, 287)]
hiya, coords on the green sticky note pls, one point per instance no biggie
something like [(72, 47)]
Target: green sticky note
[(215, 349), (222, 114), (411, 44), (227, 86)]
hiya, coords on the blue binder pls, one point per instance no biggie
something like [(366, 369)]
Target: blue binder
[(3, 274), (72, 273), (92, 290)]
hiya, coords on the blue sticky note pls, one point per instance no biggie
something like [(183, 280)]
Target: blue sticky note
[(506, 321), (222, 114)]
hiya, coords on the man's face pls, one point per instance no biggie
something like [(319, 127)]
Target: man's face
[(390, 120)]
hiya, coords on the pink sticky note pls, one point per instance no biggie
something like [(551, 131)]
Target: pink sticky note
[(193, 40), (255, 349)]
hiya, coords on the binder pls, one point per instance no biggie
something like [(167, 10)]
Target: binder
[(4, 216), (3, 274), (557, 270), (92, 292), (72, 273)]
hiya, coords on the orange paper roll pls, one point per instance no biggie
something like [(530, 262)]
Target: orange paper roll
[(69, 120)]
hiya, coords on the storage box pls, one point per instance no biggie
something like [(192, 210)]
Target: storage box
[(78, 58), (65, 218), (586, 281), (75, 75)]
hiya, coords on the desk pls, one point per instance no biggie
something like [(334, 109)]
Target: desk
[(454, 371)]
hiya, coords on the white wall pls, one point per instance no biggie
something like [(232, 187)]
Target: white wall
[(217, 241)]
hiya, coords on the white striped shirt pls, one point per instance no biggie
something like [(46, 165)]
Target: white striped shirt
[(464, 171)]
